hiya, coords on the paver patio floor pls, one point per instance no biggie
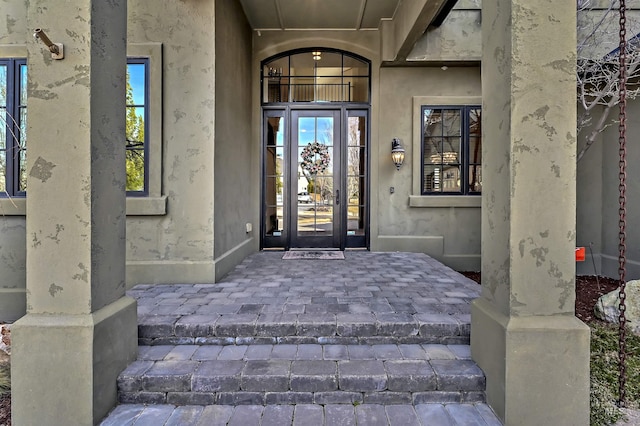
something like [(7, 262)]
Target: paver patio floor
[(391, 292), (400, 314)]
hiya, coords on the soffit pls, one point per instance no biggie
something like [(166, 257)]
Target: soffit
[(318, 14)]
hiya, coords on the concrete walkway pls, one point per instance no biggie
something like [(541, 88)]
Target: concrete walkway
[(374, 339)]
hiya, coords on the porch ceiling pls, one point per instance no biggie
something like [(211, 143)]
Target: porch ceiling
[(401, 23), (318, 14)]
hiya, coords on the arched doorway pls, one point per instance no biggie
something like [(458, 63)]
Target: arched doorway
[(315, 134)]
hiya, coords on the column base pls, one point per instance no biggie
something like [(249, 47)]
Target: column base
[(537, 368), (64, 367)]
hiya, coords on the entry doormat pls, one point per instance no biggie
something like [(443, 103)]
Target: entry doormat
[(313, 254)]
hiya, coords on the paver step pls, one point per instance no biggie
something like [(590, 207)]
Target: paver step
[(368, 340), (270, 328), (304, 414), (302, 374)]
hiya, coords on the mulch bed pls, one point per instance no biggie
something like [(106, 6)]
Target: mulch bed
[(588, 289), (5, 410)]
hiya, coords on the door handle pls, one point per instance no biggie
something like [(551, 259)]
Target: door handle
[(337, 197)]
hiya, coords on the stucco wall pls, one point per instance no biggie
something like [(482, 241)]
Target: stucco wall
[(12, 268), (457, 39), (450, 233), (236, 188), (178, 247), (13, 28), (589, 194), (609, 250), (597, 196)]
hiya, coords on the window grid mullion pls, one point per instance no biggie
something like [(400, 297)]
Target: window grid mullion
[(5, 122), (464, 161), (144, 150), (10, 162), (18, 147), (463, 150)]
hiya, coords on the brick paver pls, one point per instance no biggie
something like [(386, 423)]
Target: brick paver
[(366, 298), (305, 415), (375, 339)]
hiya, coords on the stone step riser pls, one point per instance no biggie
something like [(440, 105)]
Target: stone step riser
[(304, 340), (449, 414), (316, 398), (302, 381), (301, 329)]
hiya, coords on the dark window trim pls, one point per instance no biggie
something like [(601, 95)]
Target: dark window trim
[(464, 162), (13, 106), (293, 52), (143, 61), (12, 160)]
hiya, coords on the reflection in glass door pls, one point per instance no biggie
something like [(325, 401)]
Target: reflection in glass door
[(356, 198), (275, 181), (316, 184)]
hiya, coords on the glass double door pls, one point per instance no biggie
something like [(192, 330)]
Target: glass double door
[(315, 179)]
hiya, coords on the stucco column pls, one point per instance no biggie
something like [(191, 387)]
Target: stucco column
[(80, 329), (524, 334)]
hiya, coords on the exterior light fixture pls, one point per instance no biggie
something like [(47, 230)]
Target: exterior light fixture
[(397, 153), (317, 55)]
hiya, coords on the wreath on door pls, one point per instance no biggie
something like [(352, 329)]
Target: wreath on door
[(312, 164)]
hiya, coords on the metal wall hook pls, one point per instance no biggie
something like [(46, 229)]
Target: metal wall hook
[(56, 49)]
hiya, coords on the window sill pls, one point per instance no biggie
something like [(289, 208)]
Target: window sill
[(436, 201), (142, 206), (147, 206), (14, 206)]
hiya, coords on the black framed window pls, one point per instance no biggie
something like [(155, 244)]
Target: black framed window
[(137, 120), (13, 126), (316, 75), (451, 150)]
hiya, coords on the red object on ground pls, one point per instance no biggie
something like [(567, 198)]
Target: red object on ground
[(580, 254)]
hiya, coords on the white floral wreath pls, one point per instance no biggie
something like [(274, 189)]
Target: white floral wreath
[(310, 163)]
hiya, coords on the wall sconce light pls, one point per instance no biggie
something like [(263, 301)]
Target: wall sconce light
[(56, 49), (397, 153)]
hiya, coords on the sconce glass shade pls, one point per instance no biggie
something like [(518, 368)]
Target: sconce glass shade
[(397, 153)]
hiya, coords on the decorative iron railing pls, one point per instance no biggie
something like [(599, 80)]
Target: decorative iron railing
[(282, 92)]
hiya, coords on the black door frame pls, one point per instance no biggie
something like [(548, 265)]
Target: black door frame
[(343, 112), (333, 240)]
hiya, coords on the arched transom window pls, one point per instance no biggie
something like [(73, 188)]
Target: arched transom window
[(315, 75)]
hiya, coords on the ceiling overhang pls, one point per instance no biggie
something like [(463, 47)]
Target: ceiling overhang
[(401, 22), (266, 15), (411, 20)]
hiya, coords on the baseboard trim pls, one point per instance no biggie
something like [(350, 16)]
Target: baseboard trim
[(169, 272), (228, 260)]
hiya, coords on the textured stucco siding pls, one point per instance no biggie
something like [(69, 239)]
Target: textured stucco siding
[(236, 175), (182, 240), (457, 228), (609, 149)]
